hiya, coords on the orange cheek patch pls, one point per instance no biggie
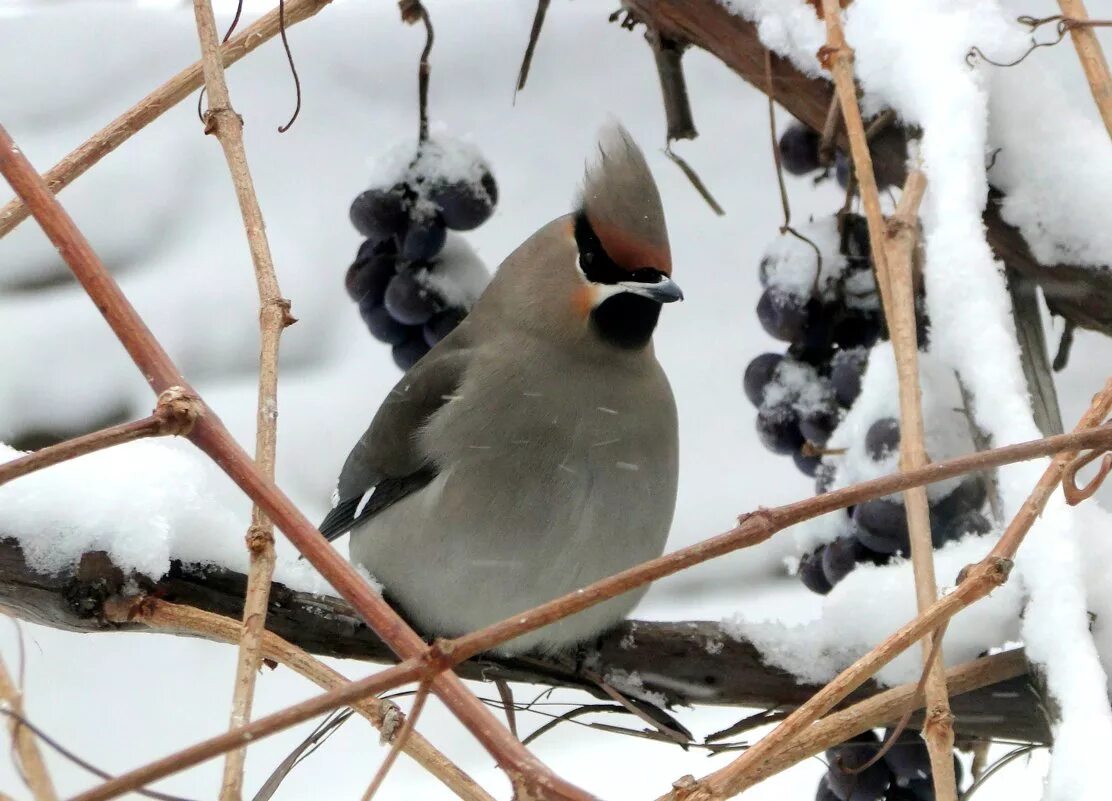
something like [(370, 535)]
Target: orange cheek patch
[(583, 301)]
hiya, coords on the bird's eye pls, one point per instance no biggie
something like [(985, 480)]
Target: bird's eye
[(647, 275)]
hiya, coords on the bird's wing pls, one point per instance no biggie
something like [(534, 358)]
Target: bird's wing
[(386, 463)]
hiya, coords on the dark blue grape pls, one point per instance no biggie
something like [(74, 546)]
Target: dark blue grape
[(811, 574), (857, 329), (799, 149), (971, 522), (840, 558), (379, 214), (424, 239), (842, 169), (369, 278), (920, 790), (758, 374), (855, 238), (808, 465), (881, 526), (897, 793), (407, 301), (846, 370), (824, 792), (465, 205), (817, 424), (968, 496), (407, 353), (846, 759), (882, 438), (908, 758), (778, 429), (382, 326), (442, 324), (782, 315)]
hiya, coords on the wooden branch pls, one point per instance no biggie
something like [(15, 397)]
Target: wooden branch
[(1089, 51), (901, 238), (222, 120), (688, 663), (151, 107), (975, 582), (898, 294), (173, 415), (530, 777), (1080, 294), (24, 745), (160, 615)]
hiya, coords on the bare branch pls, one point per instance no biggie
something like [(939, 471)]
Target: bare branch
[(1089, 51), (174, 415), (274, 315), (31, 764), (151, 107), (159, 615)]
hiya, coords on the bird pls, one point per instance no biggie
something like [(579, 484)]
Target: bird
[(535, 449)]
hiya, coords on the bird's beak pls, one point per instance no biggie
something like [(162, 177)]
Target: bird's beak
[(663, 291)]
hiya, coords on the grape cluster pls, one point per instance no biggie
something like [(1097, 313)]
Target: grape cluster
[(414, 278), (820, 296), (902, 774), (829, 314)]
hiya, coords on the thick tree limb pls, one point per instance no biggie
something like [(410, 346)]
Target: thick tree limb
[(687, 662), (1080, 294)]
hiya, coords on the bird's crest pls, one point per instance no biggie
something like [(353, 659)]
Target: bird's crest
[(622, 204)]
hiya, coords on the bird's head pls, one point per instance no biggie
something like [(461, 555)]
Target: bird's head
[(597, 276), (624, 262)]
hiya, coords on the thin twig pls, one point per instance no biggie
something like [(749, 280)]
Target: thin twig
[(693, 177), (1092, 59), (899, 241), (316, 738), (534, 35), (173, 415), (975, 582), (151, 107), (222, 120), (31, 765), (527, 773), (399, 742), (383, 715), (506, 693)]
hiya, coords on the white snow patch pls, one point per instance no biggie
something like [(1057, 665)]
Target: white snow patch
[(459, 276)]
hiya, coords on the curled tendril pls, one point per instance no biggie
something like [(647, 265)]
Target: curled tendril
[(1064, 26)]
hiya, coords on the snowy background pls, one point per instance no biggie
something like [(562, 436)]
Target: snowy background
[(161, 213)]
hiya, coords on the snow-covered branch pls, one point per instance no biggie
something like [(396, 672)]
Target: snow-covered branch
[(682, 663)]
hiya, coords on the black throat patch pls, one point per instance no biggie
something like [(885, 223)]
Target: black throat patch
[(624, 320)]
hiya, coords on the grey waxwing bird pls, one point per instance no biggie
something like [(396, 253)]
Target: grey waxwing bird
[(534, 450)]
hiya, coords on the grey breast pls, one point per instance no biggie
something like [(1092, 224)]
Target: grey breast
[(550, 478)]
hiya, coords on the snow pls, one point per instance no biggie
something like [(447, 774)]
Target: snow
[(143, 503), (789, 263), (459, 275), (175, 244)]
